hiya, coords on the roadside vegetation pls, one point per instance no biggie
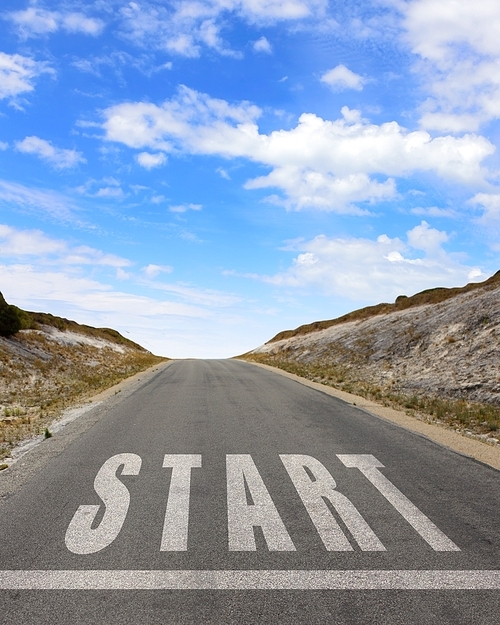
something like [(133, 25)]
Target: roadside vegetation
[(48, 364), (473, 418)]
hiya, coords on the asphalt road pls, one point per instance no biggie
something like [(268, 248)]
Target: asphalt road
[(219, 492)]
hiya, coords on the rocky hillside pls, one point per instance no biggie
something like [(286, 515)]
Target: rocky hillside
[(437, 353), (48, 363)]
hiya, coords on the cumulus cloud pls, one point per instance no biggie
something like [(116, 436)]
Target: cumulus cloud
[(35, 21), (460, 50), (18, 74), (323, 164), (340, 78), (60, 158), (262, 45), (372, 270), (148, 160)]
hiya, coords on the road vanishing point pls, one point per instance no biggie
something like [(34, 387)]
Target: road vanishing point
[(219, 492)]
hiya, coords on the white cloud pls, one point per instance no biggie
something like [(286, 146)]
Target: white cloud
[(186, 27), (35, 21), (263, 45), (490, 218), (427, 239), (320, 163), (181, 30), (80, 23), (323, 191), (109, 192), (107, 187), (434, 211), (460, 50), (51, 202), (83, 295), (148, 161), (165, 322), (60, 158), (223, 173), (341, 78), (3, 145), (375, 270), (274, 10), (151, 271), (84, 255), (38, 272), (182, 208), (491, 204), (19, 244), (18, 74), (201, 297)]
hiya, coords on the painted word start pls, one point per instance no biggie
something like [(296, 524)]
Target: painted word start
[(312, 480)]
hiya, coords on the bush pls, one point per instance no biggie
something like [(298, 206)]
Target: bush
[(10, 321)]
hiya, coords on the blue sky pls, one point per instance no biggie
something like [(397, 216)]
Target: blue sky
[(202, 174)]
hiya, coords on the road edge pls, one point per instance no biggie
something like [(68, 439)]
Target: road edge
[(446, 437), (40, 451)]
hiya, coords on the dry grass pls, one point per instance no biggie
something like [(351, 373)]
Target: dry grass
[(40, 377), (478, 419)]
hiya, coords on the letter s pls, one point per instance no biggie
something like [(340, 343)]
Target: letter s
[(80, 537)]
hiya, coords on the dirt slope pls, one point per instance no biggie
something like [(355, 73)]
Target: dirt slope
[(55, 364), (441, 356)]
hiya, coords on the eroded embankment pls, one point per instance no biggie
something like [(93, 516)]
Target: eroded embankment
[(439, 361)]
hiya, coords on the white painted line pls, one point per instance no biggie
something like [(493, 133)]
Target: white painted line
[(369, 465), (175, 526), (313, 495), (250, 580), (242, 517)]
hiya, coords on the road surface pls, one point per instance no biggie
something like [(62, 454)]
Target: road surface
[(219, 492)]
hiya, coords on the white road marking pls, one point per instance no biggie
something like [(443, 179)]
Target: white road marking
[(175, 527), (243, 517), (80, 537), (313, 493), (369, 465), (250, 580)]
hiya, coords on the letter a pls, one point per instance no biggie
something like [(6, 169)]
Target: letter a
[(244, 516)]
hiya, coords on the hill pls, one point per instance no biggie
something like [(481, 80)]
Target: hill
[(49, 363), (436, 354)]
